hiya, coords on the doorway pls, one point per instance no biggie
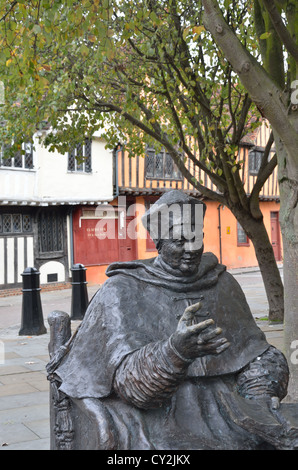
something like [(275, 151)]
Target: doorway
[(127, 245), (275, 235)]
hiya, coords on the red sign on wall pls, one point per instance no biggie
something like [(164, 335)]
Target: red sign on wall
[(96, 241), (91, 246)]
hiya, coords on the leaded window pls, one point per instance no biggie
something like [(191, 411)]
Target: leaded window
[(7, 223), (50, 231), (254, 161), (161, 165), (242, 238), (21, 159), (15, 223), (27, 225), (79, 158)]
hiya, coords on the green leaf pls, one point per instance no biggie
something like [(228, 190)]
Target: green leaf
[(84, 50), (265, 35), (36, 29), (153, 17)]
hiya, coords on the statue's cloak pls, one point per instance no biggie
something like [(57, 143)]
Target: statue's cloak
[(141, 303)]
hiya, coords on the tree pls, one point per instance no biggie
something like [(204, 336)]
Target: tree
[(271, 82), (149, 73)]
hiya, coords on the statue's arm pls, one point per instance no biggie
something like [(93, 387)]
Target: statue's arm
[(150, 375), (267, 375)]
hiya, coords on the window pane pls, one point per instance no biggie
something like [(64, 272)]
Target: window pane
[(88, 145), (50, 232), (43, 233), (255, 158), (27, 223), (79, 157), (169, 166), (71, 161), (241, 235), (7, 223), (28, 156), (6, 162), (159, 165), (18, 161), (59, 233), (149, 162), (16, 223)]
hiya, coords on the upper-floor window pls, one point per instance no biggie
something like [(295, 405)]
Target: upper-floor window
[(79, 158), (254, 161), (15, 223), (21, 159), (161, 165), (242, 238)]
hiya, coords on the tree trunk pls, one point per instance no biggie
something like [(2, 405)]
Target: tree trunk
[(285, 125), (288, 185), (291, 314), (256, 231)]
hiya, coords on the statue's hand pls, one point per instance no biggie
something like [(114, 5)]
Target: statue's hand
[(197, 340)]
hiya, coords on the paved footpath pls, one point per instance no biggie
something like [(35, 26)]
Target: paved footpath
[(24, 389)]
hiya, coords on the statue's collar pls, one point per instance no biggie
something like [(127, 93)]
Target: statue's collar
[(152, 271)]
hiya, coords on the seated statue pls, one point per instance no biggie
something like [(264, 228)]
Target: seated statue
[(169, 356)]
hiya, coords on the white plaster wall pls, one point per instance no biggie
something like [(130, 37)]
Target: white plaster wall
[(19, 254), (1, 261), (52, 267), (17, 183), (56, 182), (50, 180)]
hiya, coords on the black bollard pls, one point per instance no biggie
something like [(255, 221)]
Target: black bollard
[(79, 301), (32, 317)]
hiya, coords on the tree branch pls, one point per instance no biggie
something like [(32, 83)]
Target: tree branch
[(157, 134), (281, 29), (262, 89), (10, 9)]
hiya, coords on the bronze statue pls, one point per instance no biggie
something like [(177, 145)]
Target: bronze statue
[(168, 355)]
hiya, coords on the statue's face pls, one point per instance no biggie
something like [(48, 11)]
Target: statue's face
[(181, 255)]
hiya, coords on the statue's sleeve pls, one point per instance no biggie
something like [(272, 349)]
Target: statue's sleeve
[(267, 375), (150, 375)]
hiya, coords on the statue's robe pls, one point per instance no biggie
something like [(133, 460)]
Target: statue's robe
[(139, 304)]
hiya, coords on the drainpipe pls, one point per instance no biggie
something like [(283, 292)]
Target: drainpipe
[(71, 237), (115, 169), (219, 230)]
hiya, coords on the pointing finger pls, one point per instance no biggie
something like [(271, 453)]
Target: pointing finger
[(190, 311)]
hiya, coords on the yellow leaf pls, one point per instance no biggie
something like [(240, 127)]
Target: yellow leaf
[(8, 62), (198, 29)]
